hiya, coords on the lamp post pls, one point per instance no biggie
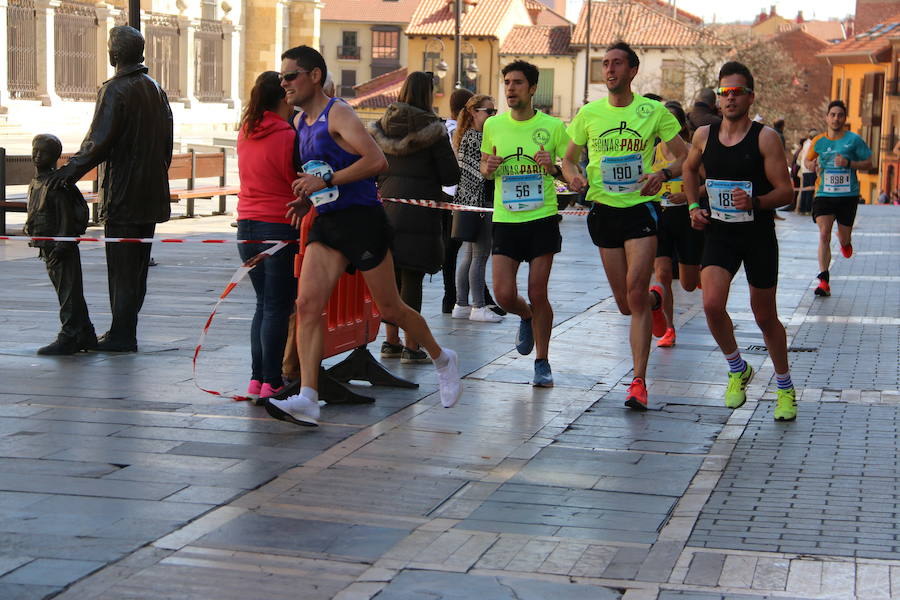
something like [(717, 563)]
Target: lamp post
[(457, 13), (587, 54), (134, 14)]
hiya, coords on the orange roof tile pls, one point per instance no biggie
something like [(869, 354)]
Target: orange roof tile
[(538, 40), (379, 92), (824, 30), (369, 11), (637, 24), (868, 43), (436, 17), (665, 7)]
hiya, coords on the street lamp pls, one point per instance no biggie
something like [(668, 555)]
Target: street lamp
[(441, 68), (471, 70)]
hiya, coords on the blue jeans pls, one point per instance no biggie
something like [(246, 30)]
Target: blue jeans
[(276, 289)]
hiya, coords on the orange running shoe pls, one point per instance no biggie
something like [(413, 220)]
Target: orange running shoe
[(847, 250), (668, 340), (659, 319), (637, 395), (823, 290)]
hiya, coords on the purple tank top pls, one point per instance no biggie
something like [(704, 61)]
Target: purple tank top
[(315, 143)]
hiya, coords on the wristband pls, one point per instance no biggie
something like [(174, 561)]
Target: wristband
[(693, 206), (667, 174)]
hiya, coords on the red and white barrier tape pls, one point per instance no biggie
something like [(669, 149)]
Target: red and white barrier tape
[(44, 238), (465, 207), (235, 279)]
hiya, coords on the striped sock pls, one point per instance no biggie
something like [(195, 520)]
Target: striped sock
[(736, 364), (784, 381)]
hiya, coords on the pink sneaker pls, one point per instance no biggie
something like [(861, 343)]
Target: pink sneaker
[(253, 389), (267, 391)]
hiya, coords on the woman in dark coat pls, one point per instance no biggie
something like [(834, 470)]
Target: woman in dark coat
[(420, 161)]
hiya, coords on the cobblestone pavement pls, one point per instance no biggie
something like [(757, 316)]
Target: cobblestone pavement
[(119, 479)]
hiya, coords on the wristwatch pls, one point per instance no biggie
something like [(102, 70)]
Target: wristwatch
[(667, 174), (327, 177)]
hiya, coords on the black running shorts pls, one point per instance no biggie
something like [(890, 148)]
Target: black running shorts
[(842, 207), (756, 248), (611, 227), (677, 237), (526, 241), (361, 233)]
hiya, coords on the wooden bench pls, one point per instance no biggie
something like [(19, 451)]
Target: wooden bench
[(187, 167)]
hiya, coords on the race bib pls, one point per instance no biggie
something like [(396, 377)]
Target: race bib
[(721, 204), (836, 181), (675, 186), (329, 194), (522, 192), (621, 173)]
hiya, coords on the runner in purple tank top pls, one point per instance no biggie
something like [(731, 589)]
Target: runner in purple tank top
[(340, 161)]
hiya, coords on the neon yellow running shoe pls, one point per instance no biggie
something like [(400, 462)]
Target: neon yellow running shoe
[(786, 408), (736, 392)]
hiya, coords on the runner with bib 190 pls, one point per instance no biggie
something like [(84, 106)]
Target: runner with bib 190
[(746, 180), (619, 132), (836, 156), (519, 151)]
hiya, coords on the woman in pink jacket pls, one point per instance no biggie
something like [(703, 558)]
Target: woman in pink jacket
[(265, 150)]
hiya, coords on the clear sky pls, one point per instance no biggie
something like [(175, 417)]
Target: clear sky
[(727, 12)]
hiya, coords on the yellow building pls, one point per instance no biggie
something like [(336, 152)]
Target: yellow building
[(483, 27), (364, 39), (860, 69)]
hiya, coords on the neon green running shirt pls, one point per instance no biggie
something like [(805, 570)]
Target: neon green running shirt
[(620, 146), (522, 191)]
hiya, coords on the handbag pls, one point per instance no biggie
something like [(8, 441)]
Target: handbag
[(466, 225)]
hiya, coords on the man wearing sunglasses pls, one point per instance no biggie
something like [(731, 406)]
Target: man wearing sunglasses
[(620, 132), (746, 180), (519, 151), (835, 156), (351, 231)]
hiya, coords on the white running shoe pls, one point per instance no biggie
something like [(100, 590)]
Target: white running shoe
[(296, 409), (484, 315), (460, 312), (448, 379)]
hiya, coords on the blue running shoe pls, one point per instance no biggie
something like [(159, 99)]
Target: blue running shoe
[(525, 338), (543, 377)]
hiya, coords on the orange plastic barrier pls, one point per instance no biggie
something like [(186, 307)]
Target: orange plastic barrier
[(350, 321)]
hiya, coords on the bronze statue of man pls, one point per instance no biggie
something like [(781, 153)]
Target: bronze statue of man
[(131, 140)]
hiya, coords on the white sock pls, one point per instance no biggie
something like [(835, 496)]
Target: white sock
[(442, 360), (309, 393)]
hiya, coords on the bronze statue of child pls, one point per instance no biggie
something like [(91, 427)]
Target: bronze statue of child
[(60, 212)]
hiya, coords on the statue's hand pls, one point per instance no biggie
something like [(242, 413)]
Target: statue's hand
[(60, 178)]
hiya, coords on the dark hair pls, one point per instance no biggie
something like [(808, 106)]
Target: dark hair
[(778, 124), (677, 111), (735, 68), (458, 100), (838, 103), (633, 60), (652, 96), (127, 44), (418, 90), (48, 138), (307, 59), (265, 95), (530, 71)]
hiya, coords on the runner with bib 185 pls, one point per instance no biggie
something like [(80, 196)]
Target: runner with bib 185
[(746, 180)]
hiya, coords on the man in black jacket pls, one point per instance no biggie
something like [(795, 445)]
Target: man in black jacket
[(704, 111), (131, 139)]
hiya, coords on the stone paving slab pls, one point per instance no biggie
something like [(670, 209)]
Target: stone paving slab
[(515, 492)]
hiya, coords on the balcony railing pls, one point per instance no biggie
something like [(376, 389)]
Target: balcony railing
[(348, 52), (210, 76), (161, 53)]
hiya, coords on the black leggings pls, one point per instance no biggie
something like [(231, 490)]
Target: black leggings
[(409, 282)]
